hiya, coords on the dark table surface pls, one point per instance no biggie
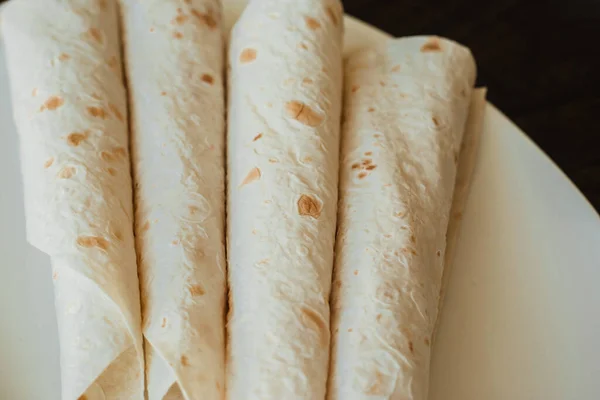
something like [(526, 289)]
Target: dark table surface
[(539, 59)]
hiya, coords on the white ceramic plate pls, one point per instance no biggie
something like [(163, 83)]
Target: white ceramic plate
[(521, 318)]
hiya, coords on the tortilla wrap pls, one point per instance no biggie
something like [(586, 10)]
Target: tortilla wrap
[(283, 144), (70, 110), (174, 64), (406, 103), (464, 175)]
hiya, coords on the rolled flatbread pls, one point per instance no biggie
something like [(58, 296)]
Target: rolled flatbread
[(70, 109), (283, 139), (464, 174), (406, 103), (174, 64)]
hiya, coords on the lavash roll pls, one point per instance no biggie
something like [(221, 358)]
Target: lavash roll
[(406, 103), (70, 110), (283, 143), (464, 175), (174, 63)]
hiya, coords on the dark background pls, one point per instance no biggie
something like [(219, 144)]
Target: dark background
[(539, 59)]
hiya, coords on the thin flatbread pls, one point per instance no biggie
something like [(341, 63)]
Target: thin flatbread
[(174, 64), (285, 88), (70, 108), (464, 175), (406, 104)]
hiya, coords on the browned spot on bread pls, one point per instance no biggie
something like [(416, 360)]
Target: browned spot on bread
[(179, 19), (112, 171), (307, 81), (426, 341), (371, 167), (309, 206), (97, 112), (64, 57), (164, 322), (368, 153), (151, 29), (207, 78), (362, 175), (438, 253), (193, 209), (252, 176), (106, 156), (118, 234), (312, 23), (331, 14), (463, 93), (257, 137), (371, 109), (146, 226), (120, 152), (381, 83), (92, 241), (163, 93), (376, 388), (177, 35), (411, 347), (67, 172), (395, 68), (355, 272), (184, 361), (247, 55), (196, 290), (355, 166), (349, 329), (302, 46), (378, 318), (303, 113), (205, 18), (273, 160), (52, 103), (431, 45), (218, 386), (314, 318), (436, 121), (115, 154), (49, 162), (337, 284), (82, 397), (355, 88), (95, 34), (75, 138), (116, 112), (113, 62), (413, 239)]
